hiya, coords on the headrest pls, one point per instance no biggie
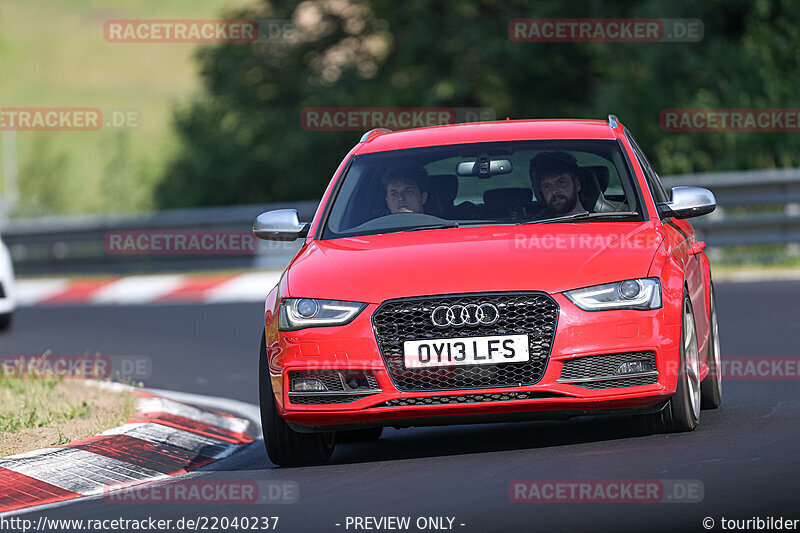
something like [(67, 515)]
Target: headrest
[(444, 187), (601, 173)]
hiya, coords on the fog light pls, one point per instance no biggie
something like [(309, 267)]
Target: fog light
[(355, 383), (308, 385), (630, 289), (634, 367)]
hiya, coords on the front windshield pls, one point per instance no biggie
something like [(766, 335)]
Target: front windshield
[(482, 184)]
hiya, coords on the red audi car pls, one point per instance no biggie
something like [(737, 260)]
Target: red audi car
[(488, 272)]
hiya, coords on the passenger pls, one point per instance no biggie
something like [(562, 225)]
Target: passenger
[(406, 189), (555, 177)]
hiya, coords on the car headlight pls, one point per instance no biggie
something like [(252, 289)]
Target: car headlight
[(299, 313), (629, 294)]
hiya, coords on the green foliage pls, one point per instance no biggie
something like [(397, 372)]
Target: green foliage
[(62, 439), (747, 59), (242, 141)]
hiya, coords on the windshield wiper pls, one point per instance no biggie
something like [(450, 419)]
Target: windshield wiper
[(436, 226), (582, 214)]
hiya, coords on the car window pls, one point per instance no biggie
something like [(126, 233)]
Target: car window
[(653, 181), (472, 189), (410, 189)]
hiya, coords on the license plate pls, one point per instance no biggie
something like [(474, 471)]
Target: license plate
[(466, 351)]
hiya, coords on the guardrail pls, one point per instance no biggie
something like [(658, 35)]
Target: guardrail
[(755, 208), (76, 244)]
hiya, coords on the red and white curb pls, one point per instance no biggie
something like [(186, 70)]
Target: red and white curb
[(163, 438), (202, 288), (153, 289)]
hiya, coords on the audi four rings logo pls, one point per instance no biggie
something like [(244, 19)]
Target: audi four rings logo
[(465, 315)]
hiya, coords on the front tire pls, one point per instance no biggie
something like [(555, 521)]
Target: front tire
[(682, 411), (712, 385), (286, 447)]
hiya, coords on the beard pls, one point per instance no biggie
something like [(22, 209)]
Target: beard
[(561, 204)]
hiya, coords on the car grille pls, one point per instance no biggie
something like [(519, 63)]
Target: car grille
[(617, 383), (397, 321), (321, 399), (468, 398), (598, 366)]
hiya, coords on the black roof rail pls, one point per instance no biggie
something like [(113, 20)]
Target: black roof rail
[(373, 130)]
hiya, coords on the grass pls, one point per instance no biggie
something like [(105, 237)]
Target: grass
[(24, 404), (775, 256), (36, 413), (54, 54)]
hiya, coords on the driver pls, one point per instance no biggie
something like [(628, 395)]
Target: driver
[(555, 177), (406, 189)]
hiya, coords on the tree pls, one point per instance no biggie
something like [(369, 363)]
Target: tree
[(242, 140)]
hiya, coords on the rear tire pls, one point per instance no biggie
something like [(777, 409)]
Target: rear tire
[(286, 447), (682, 411), (711, 387), (5, 321)]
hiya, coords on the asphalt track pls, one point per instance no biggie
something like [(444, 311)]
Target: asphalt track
[(746, 454)]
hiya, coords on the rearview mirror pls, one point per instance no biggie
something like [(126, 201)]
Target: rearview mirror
[(484, 168), (688, 202), (279, 225)]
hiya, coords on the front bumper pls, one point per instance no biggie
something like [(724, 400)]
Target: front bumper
[(353, 348)]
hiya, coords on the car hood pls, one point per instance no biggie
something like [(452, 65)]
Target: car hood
[(546, 257)]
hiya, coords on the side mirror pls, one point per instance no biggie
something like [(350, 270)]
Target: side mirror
[(688, 202), (279, 225)]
